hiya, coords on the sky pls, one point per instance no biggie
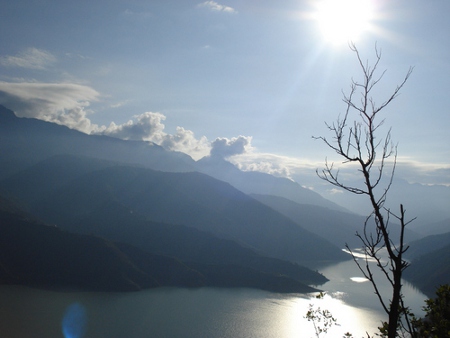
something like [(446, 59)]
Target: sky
[(251, 81)]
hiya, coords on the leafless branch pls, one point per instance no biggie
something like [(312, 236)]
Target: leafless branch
[(355, 139)]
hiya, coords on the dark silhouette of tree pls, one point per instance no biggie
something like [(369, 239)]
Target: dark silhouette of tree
[(436, 322), (357, 140)]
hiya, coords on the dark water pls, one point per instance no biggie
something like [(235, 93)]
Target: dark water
[(203, 312)]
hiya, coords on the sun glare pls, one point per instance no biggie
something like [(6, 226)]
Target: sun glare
[(341, 21)]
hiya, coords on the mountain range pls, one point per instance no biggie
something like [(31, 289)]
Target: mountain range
[(191, 199), (335, 226), (24, 142), (224, 226), (35, 254), (428, 205)]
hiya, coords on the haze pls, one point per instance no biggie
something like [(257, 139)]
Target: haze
[(259, 79)]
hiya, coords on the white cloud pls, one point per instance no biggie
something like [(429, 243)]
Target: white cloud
[(62, 103), (66, 104), (184, 140), (75, 118), (216, 7), (283, 166), (147, 127), (119, 104), (423, 173), (303, 170), (335, 191), (31, 58), (275, 169), (225, 148)]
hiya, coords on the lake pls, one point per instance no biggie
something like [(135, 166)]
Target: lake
[(202, 312)]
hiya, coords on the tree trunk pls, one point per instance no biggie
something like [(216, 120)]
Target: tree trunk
[(394, 312)]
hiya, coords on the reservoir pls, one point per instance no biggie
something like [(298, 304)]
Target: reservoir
[(202, 312)]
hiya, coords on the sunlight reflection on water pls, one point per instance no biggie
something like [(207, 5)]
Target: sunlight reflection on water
[(202, 312), (359, 279), (349, 319)]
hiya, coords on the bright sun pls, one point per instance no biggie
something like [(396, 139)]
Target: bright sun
[(342, 21)]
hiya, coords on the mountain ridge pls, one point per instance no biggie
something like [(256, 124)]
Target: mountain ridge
[(337, 227), (27, 141), (201, 201), (254, 182), (38, 255)]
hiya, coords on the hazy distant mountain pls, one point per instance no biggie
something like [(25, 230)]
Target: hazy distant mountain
[(35, 254), (114, 221), (214, 225), (428, 203), (427, 244), (253, 182), (191, 199), (429, 258), (27, 141), (430, 270), (186, 243), (43, 178), (337, 227), (436, 228)]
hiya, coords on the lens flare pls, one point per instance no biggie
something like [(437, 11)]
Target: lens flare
[(74, 321)]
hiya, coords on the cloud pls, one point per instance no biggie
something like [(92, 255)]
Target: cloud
[(31, 58), (119, 104), (223, 147), (298, 169), (184, 140), (145, 127), (423, 173), (149, 126), (335, 191), (62, 103), (216, 7), (303, 171), (66, 104), (276, 169), (77, 56)]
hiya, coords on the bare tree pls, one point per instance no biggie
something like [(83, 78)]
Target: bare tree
[(357, 141)]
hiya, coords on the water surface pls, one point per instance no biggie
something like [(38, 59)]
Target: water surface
[(202, 312)]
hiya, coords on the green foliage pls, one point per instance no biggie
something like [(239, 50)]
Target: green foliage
[(383, 330), (436, 323), (321, 319)]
